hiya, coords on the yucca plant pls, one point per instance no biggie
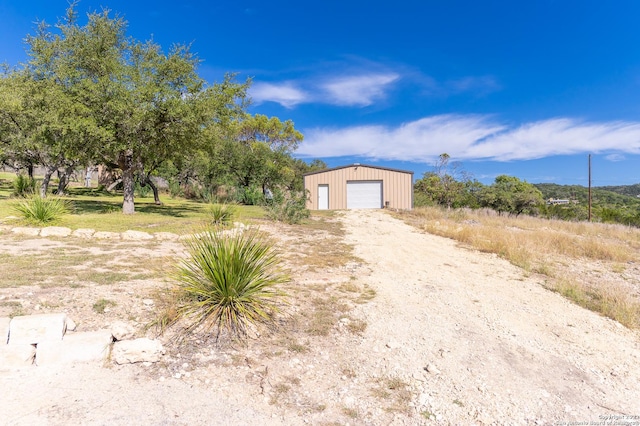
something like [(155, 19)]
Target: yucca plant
[(24, 186), (228, 282), (42, 210), (221, 214)]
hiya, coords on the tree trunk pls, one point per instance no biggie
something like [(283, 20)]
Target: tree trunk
[(30, 170), (114, 184), (127, 166), (64, 180), (44, 186), (154, 188)]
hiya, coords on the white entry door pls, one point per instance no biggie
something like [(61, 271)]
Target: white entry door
[(364, 194), (323, 197)]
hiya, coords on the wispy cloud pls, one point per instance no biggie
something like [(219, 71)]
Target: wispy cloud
[(355, 90), (472, 137), (359, 83), (615, 157), (358, 90), (286, 94), (478, 85)]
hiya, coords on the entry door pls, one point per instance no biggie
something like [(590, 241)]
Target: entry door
[(323, 197)]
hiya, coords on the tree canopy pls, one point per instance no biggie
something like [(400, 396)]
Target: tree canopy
[(92, 95)]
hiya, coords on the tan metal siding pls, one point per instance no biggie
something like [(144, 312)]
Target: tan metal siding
[(397, 187)]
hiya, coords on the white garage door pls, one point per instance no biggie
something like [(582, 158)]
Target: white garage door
[(364, 195)]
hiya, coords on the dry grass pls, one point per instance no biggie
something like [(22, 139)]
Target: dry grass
[(567, 252), (395, 392)]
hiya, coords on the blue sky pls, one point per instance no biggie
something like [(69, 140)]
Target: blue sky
[(525, 88)]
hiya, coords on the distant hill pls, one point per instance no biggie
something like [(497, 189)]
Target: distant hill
[(609, 196), (632, 190)]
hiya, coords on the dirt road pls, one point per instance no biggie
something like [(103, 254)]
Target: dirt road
[(506, 349), (453, 336)]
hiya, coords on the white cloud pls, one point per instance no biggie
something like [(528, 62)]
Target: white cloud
[(471, 137), (286, 94), (358, 90), (615, 157)]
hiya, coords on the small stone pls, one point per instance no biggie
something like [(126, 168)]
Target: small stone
[(121, 330), (392, 345), (432, 369), (71, 325)]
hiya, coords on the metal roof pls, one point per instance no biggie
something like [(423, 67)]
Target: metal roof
[(358, 165)]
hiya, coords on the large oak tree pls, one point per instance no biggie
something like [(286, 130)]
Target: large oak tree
[(148, 106)]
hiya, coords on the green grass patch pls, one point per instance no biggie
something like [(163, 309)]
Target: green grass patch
[(103, 212)]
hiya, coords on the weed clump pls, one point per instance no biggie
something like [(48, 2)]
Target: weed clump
[(42, 211), (24, 186), (221, 214)]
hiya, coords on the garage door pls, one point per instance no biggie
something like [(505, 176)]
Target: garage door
[(364, 194)]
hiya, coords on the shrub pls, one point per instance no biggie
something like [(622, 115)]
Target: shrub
[(42, 210), (288, 207), (221, 214), (24, 186), (250, 195), (228, 282)]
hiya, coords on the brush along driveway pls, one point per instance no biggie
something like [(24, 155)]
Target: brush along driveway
[(452, 336)]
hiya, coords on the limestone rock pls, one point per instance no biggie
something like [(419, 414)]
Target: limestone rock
[(83, 233), (432, 369), (138, 350), (88, 346), (166, 236), (121, 330), (20, 355), (105, 235), (4, 330), (136, 235), (23, 230), (55, 231), (71, 325), (33, 329)]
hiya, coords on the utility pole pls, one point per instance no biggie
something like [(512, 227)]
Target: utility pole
[(589, 187)]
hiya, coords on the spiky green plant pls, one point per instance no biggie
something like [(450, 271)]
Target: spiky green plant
[(221, 214), (228, 282), (42, 211), (24, 186)]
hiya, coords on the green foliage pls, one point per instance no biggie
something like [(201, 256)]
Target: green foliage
[(250, 196), (289, 207), (42, 211), (107, 97), (142, 191), (221, 214), (448, 185), (24, 186), (508, 194), (229, 282), (616, 204), (101, 305)]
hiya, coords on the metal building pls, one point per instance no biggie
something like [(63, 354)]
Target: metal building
[(359, 186)]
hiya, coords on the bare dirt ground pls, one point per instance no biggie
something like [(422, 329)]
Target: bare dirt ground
[(405, 328)]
